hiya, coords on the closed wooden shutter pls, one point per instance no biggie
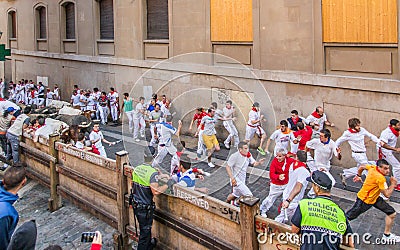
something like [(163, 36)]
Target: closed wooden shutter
[(106, 19), (42, 23), (157, 19), (70, 21), (13, 24)]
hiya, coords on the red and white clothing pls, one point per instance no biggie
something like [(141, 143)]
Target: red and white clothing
[(317, 119), (306, 135), (277, 186), (357, 145), (113, 97), (98, 136), (323, 153), (389, 136), (139, 124), (298, 173), (200, 144), (239, 164), (255, 128)]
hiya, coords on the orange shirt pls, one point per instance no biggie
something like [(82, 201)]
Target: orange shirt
[(372, 186)]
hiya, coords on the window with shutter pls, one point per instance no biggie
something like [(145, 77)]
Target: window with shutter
[(69, 21), (13, 24), (106, 19), (157, 19), (42, 22)]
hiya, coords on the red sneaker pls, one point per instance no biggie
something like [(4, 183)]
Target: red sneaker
[(397, 188)]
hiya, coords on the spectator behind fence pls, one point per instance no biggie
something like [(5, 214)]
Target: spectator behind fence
[(24, 237), (13, 180), (14, 132)]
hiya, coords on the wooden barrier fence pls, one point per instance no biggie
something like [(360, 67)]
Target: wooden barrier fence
[(185, 220)]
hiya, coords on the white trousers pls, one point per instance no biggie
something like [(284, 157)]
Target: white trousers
[(102, 152), (233, 133), (130, 115), (103, 114), (114, 112), (361, 159), (138, 125), (162, 152), (389, 157), (289, 212), (274, 192), (153, 141), (200, 144)]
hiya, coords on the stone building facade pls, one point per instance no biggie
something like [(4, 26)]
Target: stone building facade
[(286, 54)]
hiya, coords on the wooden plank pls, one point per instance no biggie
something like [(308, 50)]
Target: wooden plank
[(231, 21), (208, 203), (87, 156), (359, 21)]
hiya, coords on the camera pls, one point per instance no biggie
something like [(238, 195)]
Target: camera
[(88, 236)]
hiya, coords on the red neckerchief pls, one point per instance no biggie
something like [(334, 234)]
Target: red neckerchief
[(295, 120), (32, 93), (103, 98), (228, 108), (248, 154), (298, 164), (254, 109), (1, 99), (353, 131), (377, 169), (394, 131), (96, 131), (112, 92), (316, 115), (164, 101), (179, 154)]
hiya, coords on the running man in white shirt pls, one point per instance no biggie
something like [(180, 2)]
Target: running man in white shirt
[(295, 189), (138, 120), (49, 96), (282, 137), (355, 136), (75, 100), (229, 118), (320, 154), (2, 88), (318, 117), (387, 146), (154, 118), (163, 132), (237, 168), (96, 138), (209, 134), (254, 126), (114, 104)]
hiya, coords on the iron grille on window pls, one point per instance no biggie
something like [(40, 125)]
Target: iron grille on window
[(106, 19)]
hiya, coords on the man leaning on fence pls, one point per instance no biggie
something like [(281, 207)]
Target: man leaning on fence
[(144, 187)]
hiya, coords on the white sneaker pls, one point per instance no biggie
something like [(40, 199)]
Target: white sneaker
[(211, 165), (137, 140), (391, 238), (264, 214), (227, 145)]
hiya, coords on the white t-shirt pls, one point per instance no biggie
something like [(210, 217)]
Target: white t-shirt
[(79, 145), (239, 165), (389, 138), (356, 140), (253, 116), (323, 153), (113, 98), (75, 100), (209, 125), (320, 121), (281, 140), (165, 110), (50, 95), (300, 175), (138, 110), (95, 136), (165, 132)]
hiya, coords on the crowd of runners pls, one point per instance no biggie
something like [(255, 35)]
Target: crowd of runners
[(301, 146)]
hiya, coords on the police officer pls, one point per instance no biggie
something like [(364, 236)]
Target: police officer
[(144, 187), (321, 222)]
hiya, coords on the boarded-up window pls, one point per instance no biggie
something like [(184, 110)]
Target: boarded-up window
[(106, 19), (359, 21), (12, 26), (42, 22), (157, 19), (231, 20), (69, 21)]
